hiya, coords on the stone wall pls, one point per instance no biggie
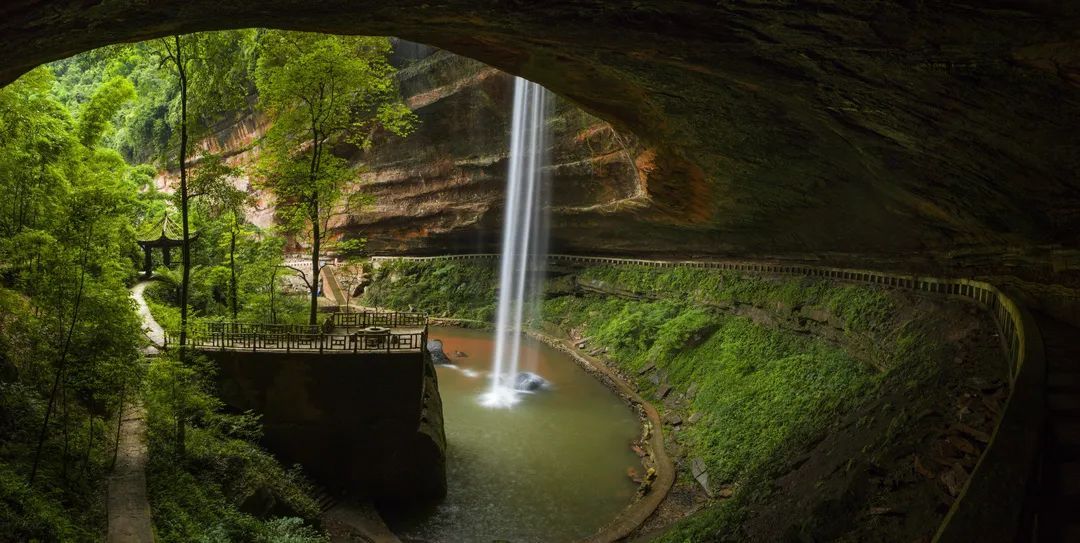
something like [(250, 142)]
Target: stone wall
[(370, 424)]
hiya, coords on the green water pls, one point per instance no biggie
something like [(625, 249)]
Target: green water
[(552, 468)]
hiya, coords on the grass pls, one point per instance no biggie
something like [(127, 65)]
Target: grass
[(291, 309), (438, 288), (757, 387)]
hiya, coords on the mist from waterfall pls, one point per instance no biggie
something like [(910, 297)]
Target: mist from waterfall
[(524, 239)]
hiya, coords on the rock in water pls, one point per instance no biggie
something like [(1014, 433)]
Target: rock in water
[(529, 382), (435, 347)]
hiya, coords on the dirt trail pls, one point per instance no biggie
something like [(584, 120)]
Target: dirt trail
[(128, 506)]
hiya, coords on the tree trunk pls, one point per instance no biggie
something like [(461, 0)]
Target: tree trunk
[(232, 272), (185, 248), (185, 252), (60, 368), (313, 317), (313, 216), (273, 289)]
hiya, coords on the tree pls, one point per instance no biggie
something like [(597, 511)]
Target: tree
[(178, 56), (200, 58), (95, 117), (36, 147), (68, 252), (321, 90), (213, 182)]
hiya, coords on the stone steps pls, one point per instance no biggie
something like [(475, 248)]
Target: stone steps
[(323, 498)]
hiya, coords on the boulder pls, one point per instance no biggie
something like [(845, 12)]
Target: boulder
[(701, 474), (529, 382), (438, 356)]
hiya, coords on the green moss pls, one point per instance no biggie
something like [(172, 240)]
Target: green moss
[(438, 288)]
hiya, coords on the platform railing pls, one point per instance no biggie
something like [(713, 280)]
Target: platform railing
[(256, 337), (388, 319)]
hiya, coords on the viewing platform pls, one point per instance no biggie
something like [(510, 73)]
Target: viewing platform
[(354, 399), (341, 332)]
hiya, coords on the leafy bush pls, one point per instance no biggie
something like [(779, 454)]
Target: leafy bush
[(438, 288), (199, 494)]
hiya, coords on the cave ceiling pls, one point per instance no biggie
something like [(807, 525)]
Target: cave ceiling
[(846, 126)]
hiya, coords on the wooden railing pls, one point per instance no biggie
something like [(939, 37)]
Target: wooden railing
[(388, 319), (298, 338)]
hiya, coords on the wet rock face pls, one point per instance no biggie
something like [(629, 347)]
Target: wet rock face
[(530, 382), (889, 127), (442, 189)]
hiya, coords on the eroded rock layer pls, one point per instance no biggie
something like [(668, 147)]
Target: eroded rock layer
[(442, 188)]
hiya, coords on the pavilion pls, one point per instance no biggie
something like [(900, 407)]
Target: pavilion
[(164, 234)]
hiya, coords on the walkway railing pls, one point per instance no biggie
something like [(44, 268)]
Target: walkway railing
[(375, 334), (389, 319)]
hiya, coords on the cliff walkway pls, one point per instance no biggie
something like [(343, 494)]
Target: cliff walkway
[(1026, 484)]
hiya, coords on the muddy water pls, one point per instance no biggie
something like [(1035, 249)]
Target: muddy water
[(552, 468)]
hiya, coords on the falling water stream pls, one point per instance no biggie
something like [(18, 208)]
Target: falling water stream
[(553, 468), (524, 237)]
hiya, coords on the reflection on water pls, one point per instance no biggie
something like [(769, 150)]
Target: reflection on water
[(552, 468)]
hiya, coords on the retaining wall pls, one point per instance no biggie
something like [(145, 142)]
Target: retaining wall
[(367, 423)]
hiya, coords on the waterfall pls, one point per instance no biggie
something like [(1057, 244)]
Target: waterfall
[(524, 239)]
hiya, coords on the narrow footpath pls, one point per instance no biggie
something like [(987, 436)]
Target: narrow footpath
[(128, 506), (1060, 477)]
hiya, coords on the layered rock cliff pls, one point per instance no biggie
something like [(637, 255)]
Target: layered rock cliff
[(442, 188)]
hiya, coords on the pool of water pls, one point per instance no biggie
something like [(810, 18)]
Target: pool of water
[(552, 468)]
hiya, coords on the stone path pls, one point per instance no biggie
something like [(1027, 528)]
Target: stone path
[(352, 522), (129, 509), (128, 506), (1060, 478), (153, 330)]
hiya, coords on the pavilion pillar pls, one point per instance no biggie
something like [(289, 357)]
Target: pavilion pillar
[(166, 256), (148, 261)]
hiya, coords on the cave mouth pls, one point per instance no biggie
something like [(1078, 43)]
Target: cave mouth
[(952, 442)]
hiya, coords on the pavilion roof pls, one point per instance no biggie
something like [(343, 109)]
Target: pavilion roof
[(163, 230)]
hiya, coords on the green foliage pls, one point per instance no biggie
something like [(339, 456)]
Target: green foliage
[(96, 115), (222, 64), (202, 494), (437, 288), (29, 514)]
